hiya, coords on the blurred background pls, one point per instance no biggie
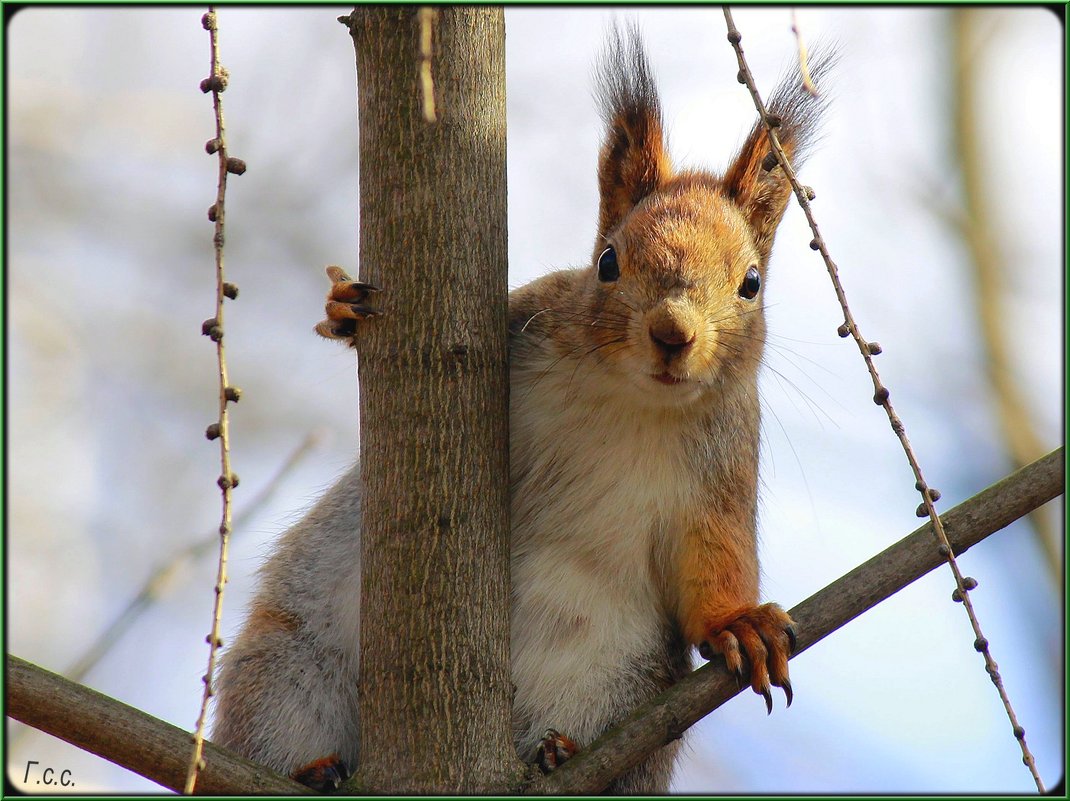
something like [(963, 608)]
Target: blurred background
[(939, 190)]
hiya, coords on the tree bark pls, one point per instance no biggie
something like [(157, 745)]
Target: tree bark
[(435, 684)]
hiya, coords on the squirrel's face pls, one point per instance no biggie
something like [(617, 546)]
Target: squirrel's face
[(677, 294), (674, 295)]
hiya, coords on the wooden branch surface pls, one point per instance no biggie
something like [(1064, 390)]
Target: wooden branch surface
[(157, 750), (667, 716), (129, 737)]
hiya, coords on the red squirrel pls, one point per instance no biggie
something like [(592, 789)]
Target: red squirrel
[(634, 438)]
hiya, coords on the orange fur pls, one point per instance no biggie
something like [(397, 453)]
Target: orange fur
[(633, 162), (270, 619), (762, 194), (718, 575), (325, 774)]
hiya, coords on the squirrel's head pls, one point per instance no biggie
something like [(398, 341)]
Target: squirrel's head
[(677, 277)]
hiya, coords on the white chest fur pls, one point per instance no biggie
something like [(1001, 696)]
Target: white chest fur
[(600, 490)]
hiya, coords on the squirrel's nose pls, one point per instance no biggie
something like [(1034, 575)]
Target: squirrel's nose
[(672, 340)]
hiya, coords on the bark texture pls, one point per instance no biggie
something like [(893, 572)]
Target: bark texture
[(435, 687)]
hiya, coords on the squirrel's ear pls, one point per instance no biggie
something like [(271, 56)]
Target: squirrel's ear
[(755, 180), (633, 162)]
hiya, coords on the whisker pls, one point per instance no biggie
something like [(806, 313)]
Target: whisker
[(791, 446), (593, 350), (532, 317), (780, 375)]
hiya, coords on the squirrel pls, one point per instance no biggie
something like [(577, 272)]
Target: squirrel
[(634, 439)]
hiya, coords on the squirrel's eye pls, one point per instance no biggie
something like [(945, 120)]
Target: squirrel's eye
[(608, 270), (752, 282)]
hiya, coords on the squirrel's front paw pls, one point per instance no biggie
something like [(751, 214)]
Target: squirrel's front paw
[(761, 637), (553, 749), (325, 775), (345, 306)]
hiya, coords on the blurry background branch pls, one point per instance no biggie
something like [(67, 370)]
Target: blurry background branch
[(156, 749), (163, 577), (167, 576), (980, 233)]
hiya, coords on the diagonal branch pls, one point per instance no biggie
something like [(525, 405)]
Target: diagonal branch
[(157, 750), (129, 737), (163, 577), (666, 717), (980, 234), (881, 395)]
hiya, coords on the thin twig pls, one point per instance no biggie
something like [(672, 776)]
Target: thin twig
[(804, 68), (163, 576), (881, 396), (427, 16), (216, 83)]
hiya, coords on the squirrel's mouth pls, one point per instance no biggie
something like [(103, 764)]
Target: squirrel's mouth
[(668, 378)]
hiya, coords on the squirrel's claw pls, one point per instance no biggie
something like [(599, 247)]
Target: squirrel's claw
[(352, 290), (793, 638), (345, 305), (337, 274), (349, 311), (553, 749), (763, 635), (768, 695), (331, 330), (345, 288), (325, 775)]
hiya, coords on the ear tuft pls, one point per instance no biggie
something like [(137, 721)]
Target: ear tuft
[(633, 162), (754, 179)]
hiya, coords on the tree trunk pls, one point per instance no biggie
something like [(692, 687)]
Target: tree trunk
[(435, 691)]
